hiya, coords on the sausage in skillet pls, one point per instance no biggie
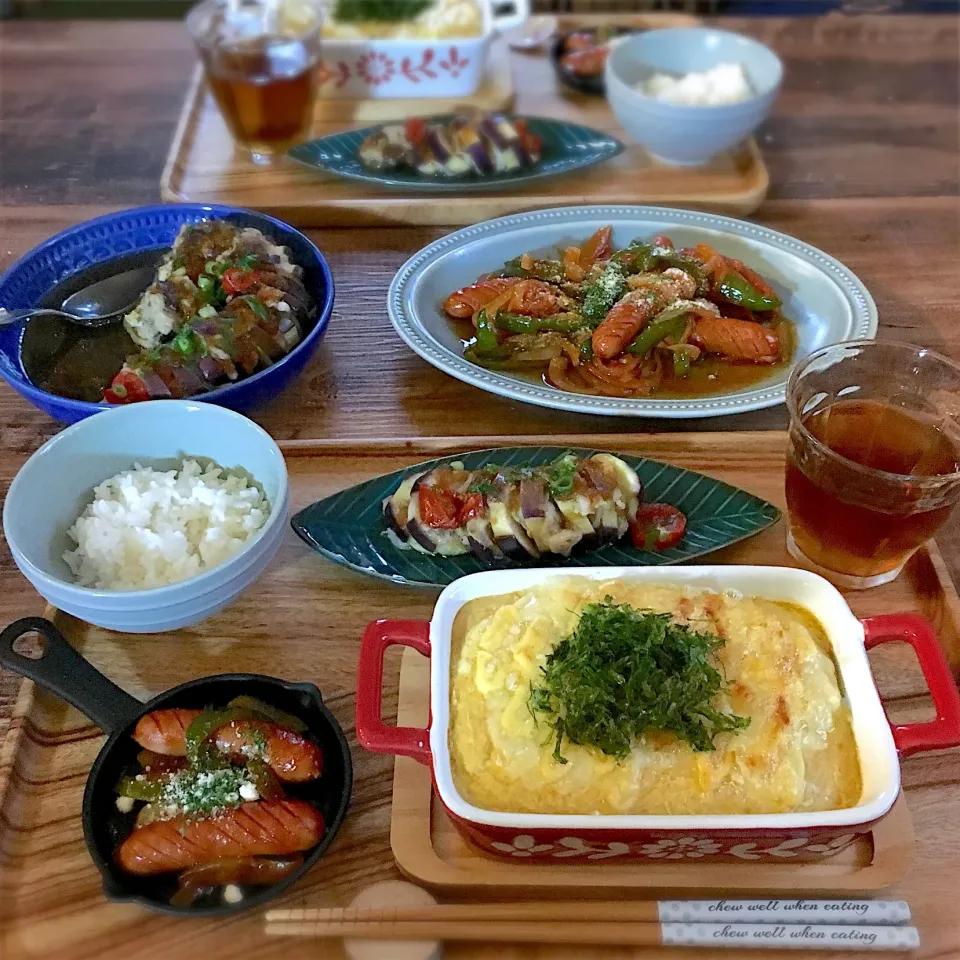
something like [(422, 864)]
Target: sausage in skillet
[(267, 827)]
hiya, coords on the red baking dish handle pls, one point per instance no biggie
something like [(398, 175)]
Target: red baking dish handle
[(936, 734), (372, 732)]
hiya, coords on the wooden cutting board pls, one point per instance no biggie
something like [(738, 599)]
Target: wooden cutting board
[(303, 620), (204, 166)]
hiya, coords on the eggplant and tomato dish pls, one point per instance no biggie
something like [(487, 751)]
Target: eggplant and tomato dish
[(213, 798), (650, 318), (501, 513), (467, 145), (226, 302)]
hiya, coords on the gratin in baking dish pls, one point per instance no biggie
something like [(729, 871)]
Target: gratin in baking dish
[(803, 835), (389, 67)]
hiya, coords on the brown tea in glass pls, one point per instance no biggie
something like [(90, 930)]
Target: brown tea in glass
[(261, 62), (873, 467)]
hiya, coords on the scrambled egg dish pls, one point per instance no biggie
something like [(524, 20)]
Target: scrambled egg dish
[(797, 753)]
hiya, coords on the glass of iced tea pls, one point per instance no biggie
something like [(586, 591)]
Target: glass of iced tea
[(261, 59), (873, 467)]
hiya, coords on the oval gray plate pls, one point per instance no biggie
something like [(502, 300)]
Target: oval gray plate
[(826, 302)]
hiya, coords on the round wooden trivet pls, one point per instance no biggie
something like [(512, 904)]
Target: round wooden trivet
[(393, 893)]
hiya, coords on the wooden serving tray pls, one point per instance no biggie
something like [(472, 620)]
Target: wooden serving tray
[(430, 851), (303, 620), (203, 165)]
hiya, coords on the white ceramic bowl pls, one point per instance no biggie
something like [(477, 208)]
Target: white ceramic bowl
[(56, 483), (679, 133)]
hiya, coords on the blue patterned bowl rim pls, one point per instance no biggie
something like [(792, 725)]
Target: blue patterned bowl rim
[(181, 213)]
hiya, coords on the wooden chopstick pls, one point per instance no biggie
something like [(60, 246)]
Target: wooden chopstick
[(741, 936), (854, 912)]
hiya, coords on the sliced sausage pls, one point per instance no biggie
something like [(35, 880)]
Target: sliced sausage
[(266, 827)]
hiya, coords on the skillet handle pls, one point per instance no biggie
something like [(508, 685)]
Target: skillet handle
[(372, 732), (61, 670), (936, 734)]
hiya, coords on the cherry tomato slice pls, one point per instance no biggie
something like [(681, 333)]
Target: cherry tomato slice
[(126, 387), (472, 507), (236, 280), (415, 129), (658, 526), (439, 509), (662, 240)]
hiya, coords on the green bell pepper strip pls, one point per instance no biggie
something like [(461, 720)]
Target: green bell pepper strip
[(681, 363), (586, 350), (286, 720), (669, 322), (487, 342), (551, 270), (559, 323), (637, 258), (149, 789), (604, 292), (737, 290), (203, 727)]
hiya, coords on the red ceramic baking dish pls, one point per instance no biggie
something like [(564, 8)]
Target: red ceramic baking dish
[(597, 837)]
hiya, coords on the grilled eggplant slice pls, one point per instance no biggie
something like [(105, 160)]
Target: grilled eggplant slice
[(518, 517), (445, 542)]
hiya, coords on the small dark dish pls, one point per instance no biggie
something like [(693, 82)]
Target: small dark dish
[(61, 670), (591, 84)]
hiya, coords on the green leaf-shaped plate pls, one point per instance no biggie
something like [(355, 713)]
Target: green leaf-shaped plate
[(566, 147), (348, 527)]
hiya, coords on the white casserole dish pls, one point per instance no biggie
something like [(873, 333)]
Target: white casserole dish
[(804, 834), (379, 68)]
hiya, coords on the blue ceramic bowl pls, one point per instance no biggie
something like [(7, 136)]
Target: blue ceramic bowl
[(126, 232), (680, 133), (55, 485)]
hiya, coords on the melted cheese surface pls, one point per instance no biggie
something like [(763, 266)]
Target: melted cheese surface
[(798, 753)]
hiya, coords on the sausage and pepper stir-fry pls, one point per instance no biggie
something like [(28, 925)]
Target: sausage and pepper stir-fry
[(624, 323)]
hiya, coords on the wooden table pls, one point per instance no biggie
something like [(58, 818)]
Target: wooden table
[(862, 149)]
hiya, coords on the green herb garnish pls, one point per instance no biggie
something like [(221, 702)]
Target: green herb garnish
[(246, 262), (256, 306), (482, 485), (383, 11), (560, 474), (623, 672)]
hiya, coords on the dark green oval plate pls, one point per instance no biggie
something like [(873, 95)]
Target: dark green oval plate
[(566, 147), (348, 527)]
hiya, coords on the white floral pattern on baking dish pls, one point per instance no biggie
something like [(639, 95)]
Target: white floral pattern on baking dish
[(668, 848)]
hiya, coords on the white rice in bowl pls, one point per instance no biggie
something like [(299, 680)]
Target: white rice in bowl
[(148, 528)]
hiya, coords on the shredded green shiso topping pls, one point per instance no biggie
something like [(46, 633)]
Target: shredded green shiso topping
[(624, 672), (383, 11)]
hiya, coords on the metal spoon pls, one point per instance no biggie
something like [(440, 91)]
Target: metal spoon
[(94, 306)]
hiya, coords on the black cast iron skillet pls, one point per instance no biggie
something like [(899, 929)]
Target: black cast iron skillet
[(61, 670)]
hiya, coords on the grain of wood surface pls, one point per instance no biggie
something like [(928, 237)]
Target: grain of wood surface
[(862, 149)]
